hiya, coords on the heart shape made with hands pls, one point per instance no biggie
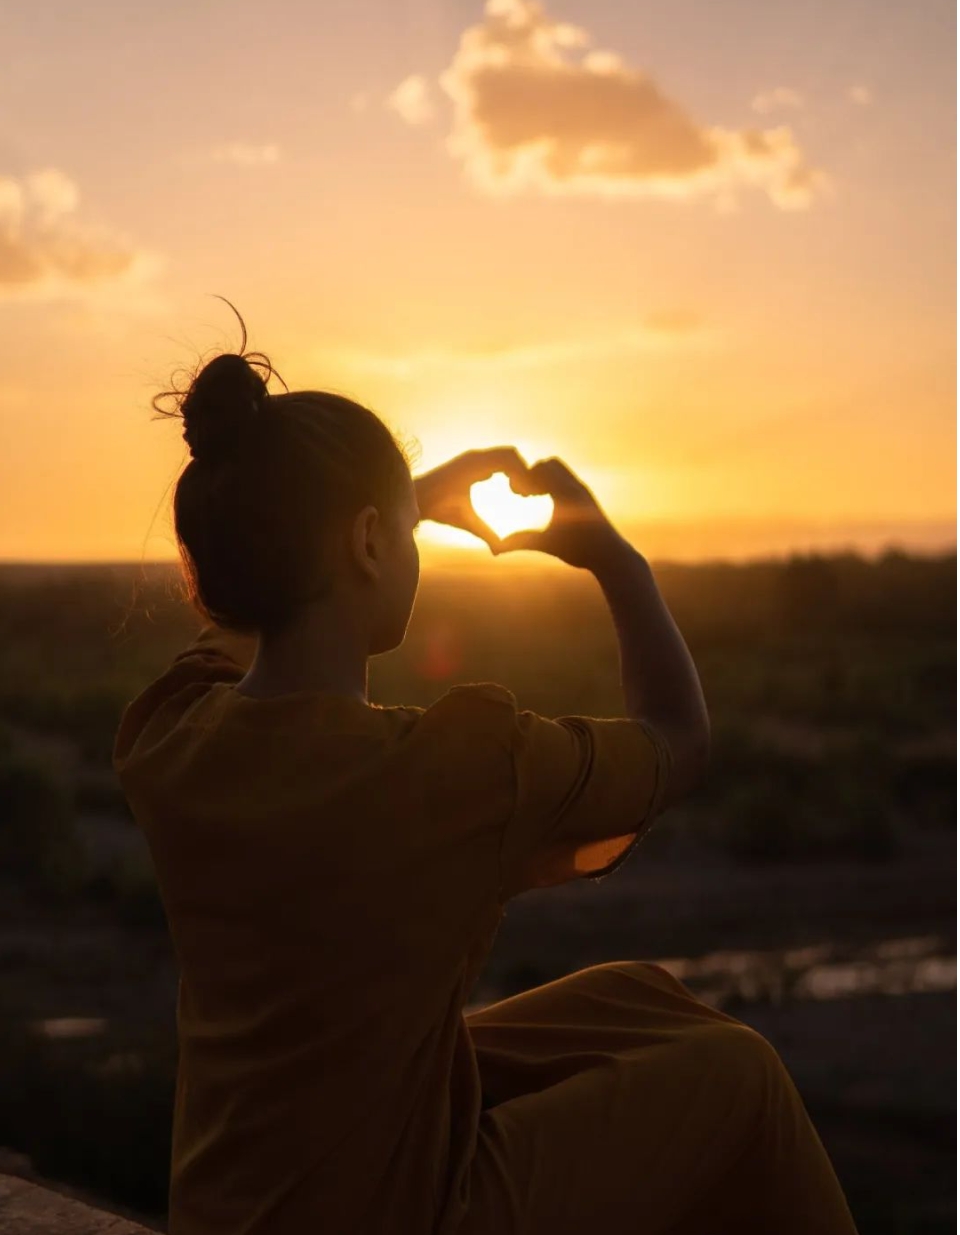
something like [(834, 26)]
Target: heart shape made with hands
[(505, 510)]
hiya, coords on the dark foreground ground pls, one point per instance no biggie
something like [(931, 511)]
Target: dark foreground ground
[(875, 1068), (809, 888)]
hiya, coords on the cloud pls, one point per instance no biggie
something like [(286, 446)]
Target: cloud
[(659, 330), (244, 155), (44, 250), (411, 100), (536, 109), (861, 95), (781, 96)]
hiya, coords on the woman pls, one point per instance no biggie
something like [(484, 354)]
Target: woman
[(334, 873)]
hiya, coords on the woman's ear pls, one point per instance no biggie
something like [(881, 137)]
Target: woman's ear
[(365, 541)]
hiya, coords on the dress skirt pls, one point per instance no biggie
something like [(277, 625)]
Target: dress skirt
[(617, 1103)]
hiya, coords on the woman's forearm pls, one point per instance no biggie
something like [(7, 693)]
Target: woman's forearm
[(659, 678)]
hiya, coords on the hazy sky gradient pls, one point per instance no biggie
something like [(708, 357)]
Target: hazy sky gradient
[(738, 356)]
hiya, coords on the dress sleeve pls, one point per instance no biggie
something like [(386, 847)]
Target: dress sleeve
[(585, 791), (569, 798), (214, 655), (225, 654)]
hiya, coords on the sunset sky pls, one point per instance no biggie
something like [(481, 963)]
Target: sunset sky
[(704, 251)]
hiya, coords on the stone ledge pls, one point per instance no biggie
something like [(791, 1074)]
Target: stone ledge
[(29, 1209)]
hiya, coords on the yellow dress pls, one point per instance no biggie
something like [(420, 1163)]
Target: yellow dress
[(334, 874)]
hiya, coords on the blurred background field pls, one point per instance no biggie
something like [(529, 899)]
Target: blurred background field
[(808, 888)]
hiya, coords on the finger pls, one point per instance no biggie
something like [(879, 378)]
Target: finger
[(519, 540), (470, 521), (481, 464), (554, 477), (540, 478), (535, 481)]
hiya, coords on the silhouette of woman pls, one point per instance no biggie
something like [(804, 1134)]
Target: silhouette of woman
[(334, 873)]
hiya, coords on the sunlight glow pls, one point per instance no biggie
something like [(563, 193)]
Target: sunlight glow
[(562, 321), (440, 535), (505, 511)]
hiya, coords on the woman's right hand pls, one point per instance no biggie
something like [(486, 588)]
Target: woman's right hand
[(579, 533)]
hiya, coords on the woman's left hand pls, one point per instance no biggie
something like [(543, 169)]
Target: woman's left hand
[(443, 494)]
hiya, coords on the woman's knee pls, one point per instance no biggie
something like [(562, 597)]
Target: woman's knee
[(652, 974), (645, 970)]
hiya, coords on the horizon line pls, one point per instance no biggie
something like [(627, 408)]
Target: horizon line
[(468, 560)]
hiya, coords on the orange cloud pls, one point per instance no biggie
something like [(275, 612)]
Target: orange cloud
[(411, 100), (781, 96), (42, 247), (536, 110), (660, 329)]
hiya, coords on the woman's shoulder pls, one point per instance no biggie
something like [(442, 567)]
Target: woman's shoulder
[(479, 693), (463, 699), (474, 705), (466, 719)]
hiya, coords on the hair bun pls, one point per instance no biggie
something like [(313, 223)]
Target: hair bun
[(225, 399)]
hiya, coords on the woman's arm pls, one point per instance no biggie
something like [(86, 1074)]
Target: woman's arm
[(659, 678)]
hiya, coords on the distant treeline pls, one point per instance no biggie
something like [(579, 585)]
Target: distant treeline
[(76, 642), (895, 593), (99, 607)]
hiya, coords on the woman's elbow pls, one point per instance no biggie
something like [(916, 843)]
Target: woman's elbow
[(690, 758)]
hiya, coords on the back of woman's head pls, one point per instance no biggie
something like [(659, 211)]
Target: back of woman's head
[(273, 479)]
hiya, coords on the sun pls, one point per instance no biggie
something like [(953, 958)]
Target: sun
[(497, 504)]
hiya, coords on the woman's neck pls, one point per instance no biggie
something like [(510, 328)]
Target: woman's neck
[(322, 648)]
